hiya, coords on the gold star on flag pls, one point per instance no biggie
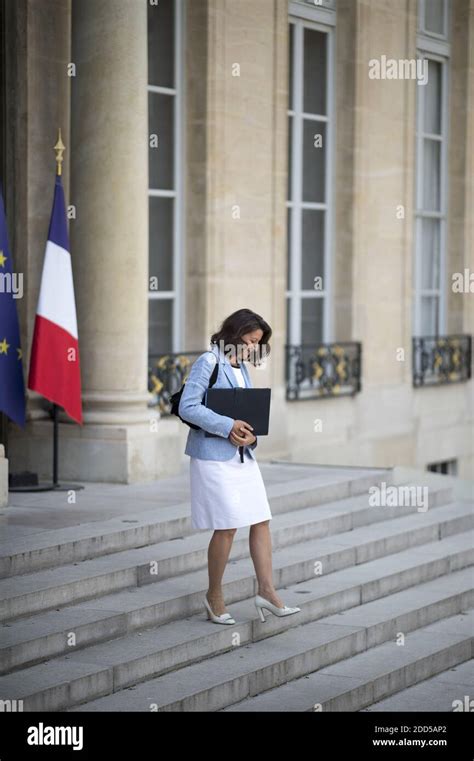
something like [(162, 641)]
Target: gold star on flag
[(3, 259), (4, 346), (20, 354)]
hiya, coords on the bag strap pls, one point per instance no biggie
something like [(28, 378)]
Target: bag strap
[(213, 377)]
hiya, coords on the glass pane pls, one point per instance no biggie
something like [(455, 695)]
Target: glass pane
[(431, 174), (432, 101), (311, 321), (161, 242), (430, 233), (291, 89), (429, 315), (159, 326), (288, 324), (161, 43), (314, 161), (434, 16), (290, 157), (312, 255), (160, 156), (314, 72), (288, 250)]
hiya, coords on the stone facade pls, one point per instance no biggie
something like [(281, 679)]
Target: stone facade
[(236, 158)]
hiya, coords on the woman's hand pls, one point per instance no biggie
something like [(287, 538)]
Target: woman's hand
[(250, 439), (241, 433), (242, 441)]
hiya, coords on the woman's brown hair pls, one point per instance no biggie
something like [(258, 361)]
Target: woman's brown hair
[(237, 325)]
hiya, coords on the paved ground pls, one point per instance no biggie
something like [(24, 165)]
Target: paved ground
[(29, 513)]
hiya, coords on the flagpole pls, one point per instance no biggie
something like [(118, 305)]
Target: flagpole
[(59, 149), (55, 447), (55, 485)]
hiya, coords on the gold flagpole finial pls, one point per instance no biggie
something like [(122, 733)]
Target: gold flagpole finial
[(59, 148)]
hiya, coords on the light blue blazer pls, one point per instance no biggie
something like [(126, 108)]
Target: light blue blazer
[(191, 409)]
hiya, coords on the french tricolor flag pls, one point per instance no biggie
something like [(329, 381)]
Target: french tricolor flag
[(55, 371)]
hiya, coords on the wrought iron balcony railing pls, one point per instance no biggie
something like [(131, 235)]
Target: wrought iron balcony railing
[(315, 371), (166, 375), (318, 371), (441, 359)]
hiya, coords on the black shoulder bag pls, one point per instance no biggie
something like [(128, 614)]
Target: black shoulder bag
[(175, 398)]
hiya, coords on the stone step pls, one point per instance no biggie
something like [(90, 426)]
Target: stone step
[(255, 668), (451, 690), (43, 590), (169, 600), (444, 648), (111, 666), (50, 549)]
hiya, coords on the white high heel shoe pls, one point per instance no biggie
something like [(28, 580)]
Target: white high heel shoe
[(225, 618), (261, 603)]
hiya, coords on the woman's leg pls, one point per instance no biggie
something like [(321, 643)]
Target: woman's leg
[(260, 544), (217, 556)]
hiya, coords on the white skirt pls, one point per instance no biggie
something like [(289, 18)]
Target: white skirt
[(228, 493)]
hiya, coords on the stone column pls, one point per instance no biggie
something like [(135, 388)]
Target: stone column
[(384, 164), (237, 63), (37, 52), (108, 152), (109, 238), (383, 182)]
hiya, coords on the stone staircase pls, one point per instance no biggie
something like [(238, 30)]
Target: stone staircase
[(109, 617)]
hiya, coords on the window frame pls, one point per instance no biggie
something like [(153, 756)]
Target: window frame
[(321, 20), (178, 94), (319, 14), (421, 21), (439, 52)]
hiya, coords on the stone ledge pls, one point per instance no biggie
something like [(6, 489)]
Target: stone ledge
[(108, 453)]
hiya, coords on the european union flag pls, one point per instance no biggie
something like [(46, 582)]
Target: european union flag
[(12, 386)]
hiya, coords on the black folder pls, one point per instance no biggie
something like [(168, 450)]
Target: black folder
[(249, 404)]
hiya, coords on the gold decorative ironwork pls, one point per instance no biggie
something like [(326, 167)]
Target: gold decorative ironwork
[(323, 370), (441, 359), (59, 149), (166, 375)]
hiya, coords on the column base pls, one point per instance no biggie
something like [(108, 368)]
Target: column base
[(117, 453)]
